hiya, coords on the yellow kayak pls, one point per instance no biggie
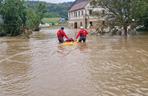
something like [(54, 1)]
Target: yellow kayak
[(69, 43)]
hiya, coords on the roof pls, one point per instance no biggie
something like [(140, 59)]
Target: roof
[(79, 4)]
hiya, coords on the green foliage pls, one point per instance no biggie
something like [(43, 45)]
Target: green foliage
[(58, 10), (51, 15), (143, 14), (19, 14), (35, 14), (32, 19), (124, 11), (13, 12), (51, 20)]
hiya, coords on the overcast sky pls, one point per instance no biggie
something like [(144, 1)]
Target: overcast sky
[(55, 1)]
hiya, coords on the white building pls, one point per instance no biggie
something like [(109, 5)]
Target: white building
[(81, 14)]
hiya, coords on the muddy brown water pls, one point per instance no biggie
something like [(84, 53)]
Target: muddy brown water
[(104, 66)]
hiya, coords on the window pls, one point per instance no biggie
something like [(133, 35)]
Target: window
[(90, 12), (79, 13), (82, 13), (75, 14)]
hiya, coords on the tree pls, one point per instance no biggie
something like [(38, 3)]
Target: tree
[(40, 9), (142, 15), (123, 11), (0, 16), (32, 17), (13, 13), (17, 16)]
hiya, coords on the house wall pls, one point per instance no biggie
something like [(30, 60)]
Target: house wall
[(82, 17), (76, 17)]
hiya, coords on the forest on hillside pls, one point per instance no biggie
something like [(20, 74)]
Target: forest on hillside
[(58, 10), (55, 10)]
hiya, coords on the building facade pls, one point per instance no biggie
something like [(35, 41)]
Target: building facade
[(81, 14)]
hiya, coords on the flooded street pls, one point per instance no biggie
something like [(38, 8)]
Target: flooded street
[(104, 66)]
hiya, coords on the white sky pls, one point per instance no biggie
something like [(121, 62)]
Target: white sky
[(55, 1)]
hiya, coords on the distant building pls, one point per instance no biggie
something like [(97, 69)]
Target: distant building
[(81, 14), (62, 20)]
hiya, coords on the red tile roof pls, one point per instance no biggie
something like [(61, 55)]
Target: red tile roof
[(79, 4)]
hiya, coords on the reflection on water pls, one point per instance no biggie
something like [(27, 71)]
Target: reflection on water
[(104, 66)]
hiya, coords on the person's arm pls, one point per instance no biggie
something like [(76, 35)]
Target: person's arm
[(65, 35), (78, 35), (86, 32)]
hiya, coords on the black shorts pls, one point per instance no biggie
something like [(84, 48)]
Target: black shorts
[(82, 39)]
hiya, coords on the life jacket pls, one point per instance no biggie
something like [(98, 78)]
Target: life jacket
[(83, 33), (61, 34)]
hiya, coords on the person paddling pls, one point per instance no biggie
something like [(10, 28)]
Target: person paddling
[(82, 34), (61, 34)]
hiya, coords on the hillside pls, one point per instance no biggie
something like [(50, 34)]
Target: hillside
[(55, 10), (59, 10)]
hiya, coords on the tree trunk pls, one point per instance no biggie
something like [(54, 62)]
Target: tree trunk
[(125, 30)]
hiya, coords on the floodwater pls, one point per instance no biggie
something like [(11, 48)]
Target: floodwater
[(104, 66)]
